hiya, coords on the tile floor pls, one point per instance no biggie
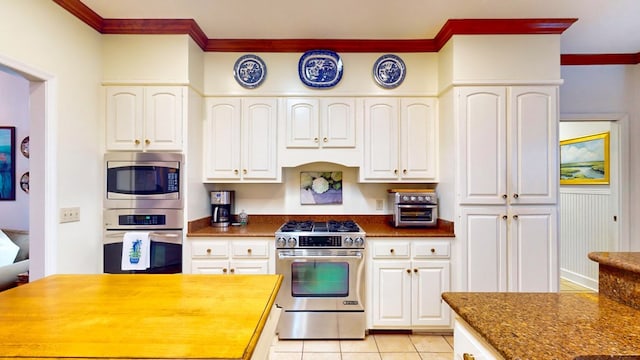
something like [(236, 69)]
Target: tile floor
[(379, 346)]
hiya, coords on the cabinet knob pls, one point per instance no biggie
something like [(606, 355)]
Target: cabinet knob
[(315, 140), (208, 251), (515, 217), (404, 171), (395, 171), (415, 271), (467, 356), (504, 196), (244, 171), (408, 271), (515, 196), (392, 251), (232, 270), (433, 251), (147, 141), (137, 142), (235, 171), (504, 217), (325, 140), (224, 270), (249, 251)]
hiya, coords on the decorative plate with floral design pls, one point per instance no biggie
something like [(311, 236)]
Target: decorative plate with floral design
[(250, 71), (389, 71), (320, 68)]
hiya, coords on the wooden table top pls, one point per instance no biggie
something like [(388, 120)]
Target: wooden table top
[(174, 316)]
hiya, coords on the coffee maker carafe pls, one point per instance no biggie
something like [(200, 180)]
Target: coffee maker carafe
[(221, 208)]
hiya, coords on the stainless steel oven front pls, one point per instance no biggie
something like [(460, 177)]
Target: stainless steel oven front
[(323, 290)]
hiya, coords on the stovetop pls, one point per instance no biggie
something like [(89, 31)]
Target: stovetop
[(320, 226), (315, 234)]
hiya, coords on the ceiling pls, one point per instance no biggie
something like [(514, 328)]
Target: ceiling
[(603, 26)]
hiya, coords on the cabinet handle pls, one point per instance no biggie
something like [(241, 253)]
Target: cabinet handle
[(147, 141), (392, 251), (467, 356), (504, 217), (325, 140), (515, 217), (395, 171), (504, 196), (315, 140), (515, 196), (244, 171), (415, 271), (235, 171), (404, 171), (224, 270), (232, 270), (408, 271), (137, 142), (249, 251), (208, 251), (433, 251)]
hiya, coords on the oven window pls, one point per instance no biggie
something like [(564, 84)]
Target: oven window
[(416, 214), (319, 279)]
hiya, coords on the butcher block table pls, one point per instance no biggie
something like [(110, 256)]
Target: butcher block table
[(137, 316)]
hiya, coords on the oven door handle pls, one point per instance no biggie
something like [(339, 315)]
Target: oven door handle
[(112, 237), (320, 256)]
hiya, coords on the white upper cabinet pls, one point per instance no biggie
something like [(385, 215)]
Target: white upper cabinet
[(400, 140), (145, 118), (240, 140), (507, 144), (320, 123)]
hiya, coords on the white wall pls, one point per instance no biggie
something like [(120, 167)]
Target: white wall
[(40, 35), (14, 111), (605, 90)]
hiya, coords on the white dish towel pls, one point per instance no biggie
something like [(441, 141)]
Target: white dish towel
[(136, 246)]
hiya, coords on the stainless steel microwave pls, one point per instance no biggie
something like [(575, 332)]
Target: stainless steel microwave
[(143, 180)]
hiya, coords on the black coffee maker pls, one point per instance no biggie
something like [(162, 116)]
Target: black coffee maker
[(222, 208)]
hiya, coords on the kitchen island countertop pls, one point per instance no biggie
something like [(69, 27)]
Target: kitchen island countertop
[(267, 225), (136, 316)]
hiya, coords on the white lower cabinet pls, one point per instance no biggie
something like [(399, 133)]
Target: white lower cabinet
[(223, 256), (407, 280), (469, 345)]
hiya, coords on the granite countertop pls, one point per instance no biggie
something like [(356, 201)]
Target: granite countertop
[(267, 225), (550, 325)]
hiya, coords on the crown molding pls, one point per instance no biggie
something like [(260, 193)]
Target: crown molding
[(450, 28)]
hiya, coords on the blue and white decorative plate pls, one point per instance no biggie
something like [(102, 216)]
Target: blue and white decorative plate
[(389, 71), (250, 71), (320, 68)]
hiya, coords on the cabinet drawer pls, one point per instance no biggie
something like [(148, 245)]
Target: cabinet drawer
[(250, 249), (391, 250), (428, 250), (210, 249)]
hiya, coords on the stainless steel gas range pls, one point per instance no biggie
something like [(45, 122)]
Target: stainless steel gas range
[(322, 294)]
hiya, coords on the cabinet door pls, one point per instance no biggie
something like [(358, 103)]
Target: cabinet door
[(302, 123), (259, 139), (381, 139), (484, 248), (163, 117), (124, 117), (482, 142), (217, 267), (533, 137), (429, 280), (391, 299), (338, 123), (222, 139), (249, 267), (533, 249), (418, 139)]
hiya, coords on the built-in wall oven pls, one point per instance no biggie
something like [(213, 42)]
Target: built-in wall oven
[(163, 228), (143, 180), (322, 293)]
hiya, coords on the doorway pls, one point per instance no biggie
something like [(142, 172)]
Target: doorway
[(594, 217), (42, 164)]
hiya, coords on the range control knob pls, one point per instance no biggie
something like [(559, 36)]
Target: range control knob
[(359, 242), (405, 198), (348, 242), (281, 242), (291, 242)]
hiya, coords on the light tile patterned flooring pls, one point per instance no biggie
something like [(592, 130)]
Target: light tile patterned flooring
[(379, 347)]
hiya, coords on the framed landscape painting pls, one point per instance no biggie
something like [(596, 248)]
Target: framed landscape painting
[(585, 160), (7, 162)]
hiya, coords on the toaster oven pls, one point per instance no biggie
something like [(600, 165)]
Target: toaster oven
[(414, 208)]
